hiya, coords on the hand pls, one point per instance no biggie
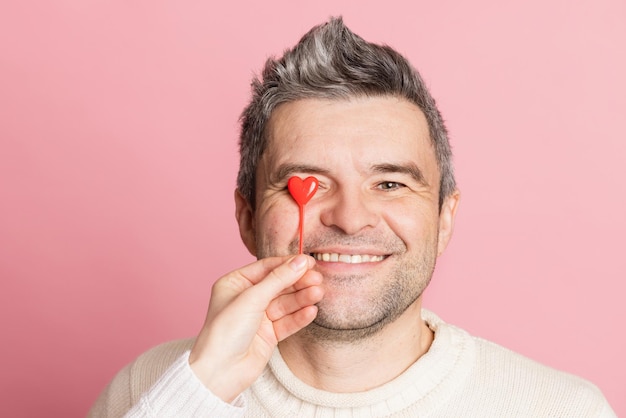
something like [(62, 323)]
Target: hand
[(250, 311)]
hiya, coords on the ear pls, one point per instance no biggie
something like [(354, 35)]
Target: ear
[(246, 221), (446, 220)]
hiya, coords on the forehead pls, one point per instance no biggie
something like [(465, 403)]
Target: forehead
[(354, 132)]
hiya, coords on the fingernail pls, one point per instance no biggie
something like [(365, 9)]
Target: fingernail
[(298, 262)]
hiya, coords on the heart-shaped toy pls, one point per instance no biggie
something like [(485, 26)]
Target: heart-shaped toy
[(302, 190)]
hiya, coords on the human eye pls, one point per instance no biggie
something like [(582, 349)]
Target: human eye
[(390, 185)]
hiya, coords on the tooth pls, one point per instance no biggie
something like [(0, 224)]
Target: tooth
[(345, 258), (348, 258)]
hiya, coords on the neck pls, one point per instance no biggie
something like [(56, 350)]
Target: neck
[(359, 365)]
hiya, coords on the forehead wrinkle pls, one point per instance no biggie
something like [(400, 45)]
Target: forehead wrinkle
[(409, 168)]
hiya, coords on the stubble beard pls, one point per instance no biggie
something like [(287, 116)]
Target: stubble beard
[(352, 323), (363, 320), (394, 294)]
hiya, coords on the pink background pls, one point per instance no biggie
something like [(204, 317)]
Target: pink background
[(118, 131)]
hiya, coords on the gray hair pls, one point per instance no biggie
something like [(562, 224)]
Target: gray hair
[(332, 62)]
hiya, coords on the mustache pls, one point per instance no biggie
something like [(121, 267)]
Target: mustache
[(389, 243)]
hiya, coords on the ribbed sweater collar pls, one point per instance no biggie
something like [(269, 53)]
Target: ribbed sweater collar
[(424, 386)]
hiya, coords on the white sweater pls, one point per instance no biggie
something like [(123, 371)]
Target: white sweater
[(459, 376)]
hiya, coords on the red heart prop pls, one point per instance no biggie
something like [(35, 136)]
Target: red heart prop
[(302, 190)]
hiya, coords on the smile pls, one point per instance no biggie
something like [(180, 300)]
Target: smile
[(347, 258)]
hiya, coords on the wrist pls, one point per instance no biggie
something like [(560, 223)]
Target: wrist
[(220, 381)]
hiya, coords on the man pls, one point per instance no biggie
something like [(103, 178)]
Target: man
[(340, 330)]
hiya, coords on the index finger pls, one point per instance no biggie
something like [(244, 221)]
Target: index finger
[(256, 271), (279, 279)]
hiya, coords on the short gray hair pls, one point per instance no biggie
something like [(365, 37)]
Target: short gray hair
[(332, 62)]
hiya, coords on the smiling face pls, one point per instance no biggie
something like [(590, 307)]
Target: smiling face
[(374, 225)]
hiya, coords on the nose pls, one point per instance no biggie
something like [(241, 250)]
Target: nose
[(350, 211)]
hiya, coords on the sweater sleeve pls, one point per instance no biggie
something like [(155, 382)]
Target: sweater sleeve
[(607, 411), (179, 393), (160, 382)]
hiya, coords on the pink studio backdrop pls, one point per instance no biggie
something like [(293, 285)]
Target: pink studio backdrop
[(118, 132)]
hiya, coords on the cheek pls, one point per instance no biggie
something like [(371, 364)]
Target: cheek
[(277, 227), (412, 223)]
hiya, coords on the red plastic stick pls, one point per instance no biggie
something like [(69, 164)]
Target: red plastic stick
[(302, 191)]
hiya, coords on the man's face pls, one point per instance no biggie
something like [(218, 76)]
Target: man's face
[(374, 224)]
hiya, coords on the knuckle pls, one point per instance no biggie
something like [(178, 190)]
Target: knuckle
[(229, 282), (281, 274)]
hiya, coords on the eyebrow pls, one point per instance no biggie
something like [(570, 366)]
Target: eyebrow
[(287, 170), (409, 168)]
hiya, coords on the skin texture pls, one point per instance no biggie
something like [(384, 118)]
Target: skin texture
[(340, 327), (378, 195)]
